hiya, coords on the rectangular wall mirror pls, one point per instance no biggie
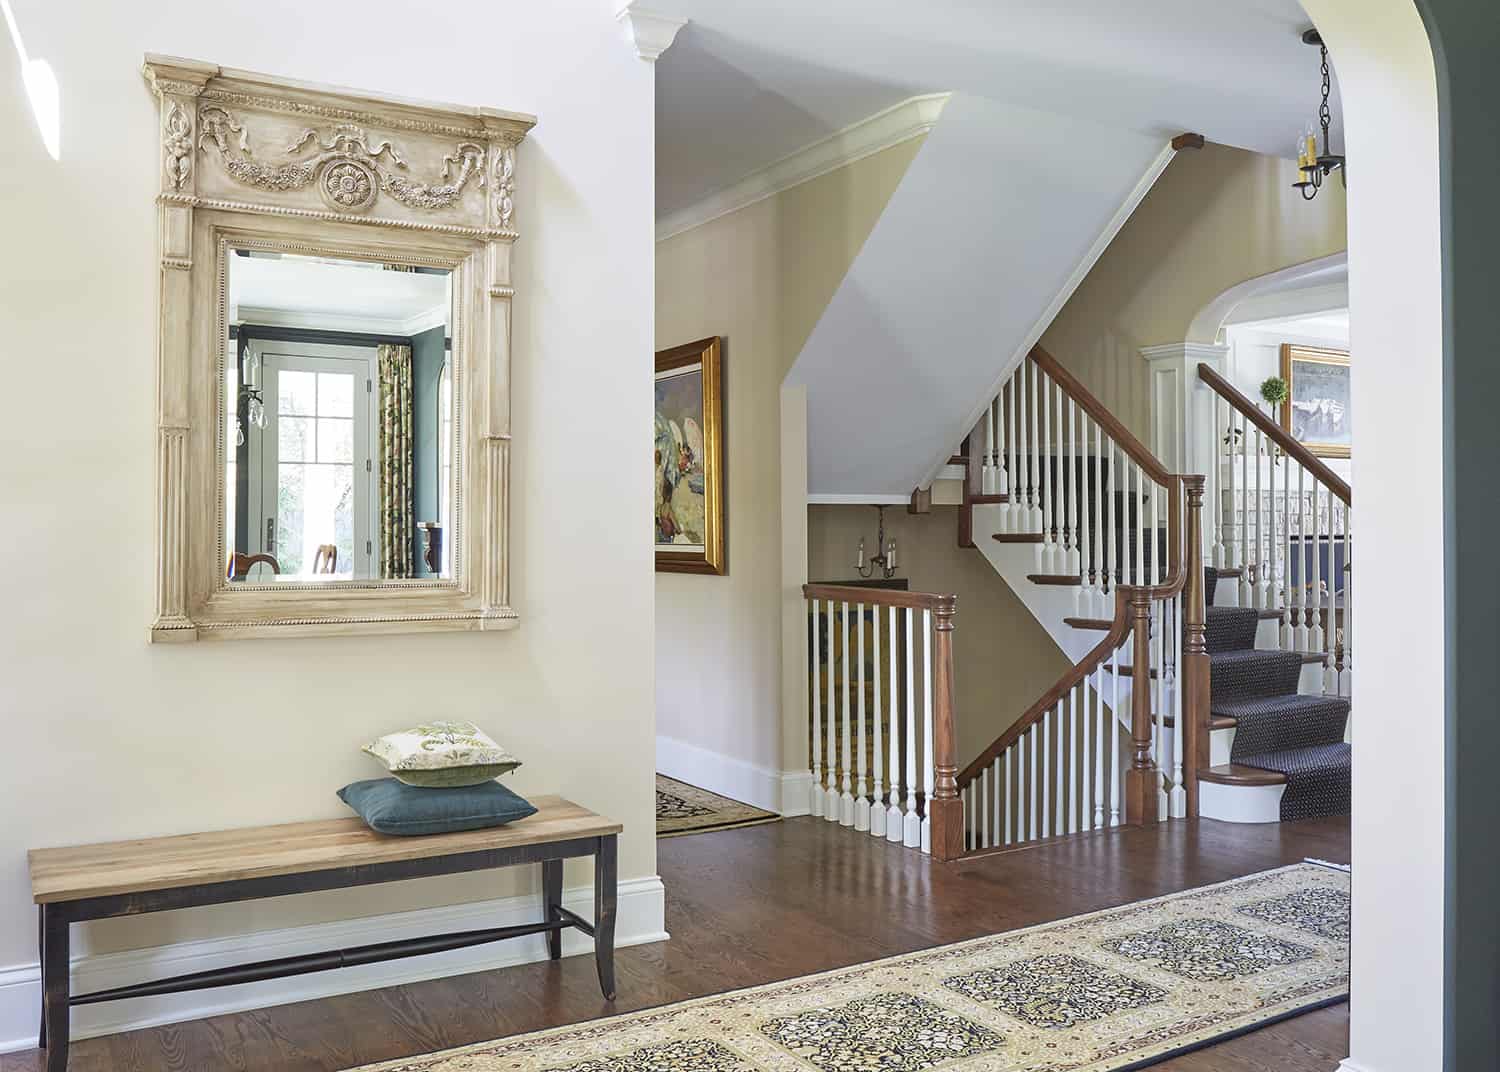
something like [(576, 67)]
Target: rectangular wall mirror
[(339, 420), (333, 371)]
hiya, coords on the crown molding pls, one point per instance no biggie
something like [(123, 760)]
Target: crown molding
[(901, 122), (650, 32)]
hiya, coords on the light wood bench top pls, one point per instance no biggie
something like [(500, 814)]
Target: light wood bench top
[(116, 867)]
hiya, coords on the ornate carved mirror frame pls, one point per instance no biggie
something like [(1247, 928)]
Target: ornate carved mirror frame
[(252, 161)]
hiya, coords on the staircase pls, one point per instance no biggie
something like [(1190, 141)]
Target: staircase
[(1285, 749)]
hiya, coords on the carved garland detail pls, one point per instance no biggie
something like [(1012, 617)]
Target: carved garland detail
[(177, 145), (346, 168)]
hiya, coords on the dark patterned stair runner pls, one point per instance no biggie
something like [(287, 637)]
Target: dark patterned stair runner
[(1277, 728)]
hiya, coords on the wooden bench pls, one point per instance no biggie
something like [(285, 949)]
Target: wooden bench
[(125, 878)]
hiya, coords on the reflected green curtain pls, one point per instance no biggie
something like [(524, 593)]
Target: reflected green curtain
[(395, 461)]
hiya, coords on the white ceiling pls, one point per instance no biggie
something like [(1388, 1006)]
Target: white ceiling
[(337, 296), (747, 83)]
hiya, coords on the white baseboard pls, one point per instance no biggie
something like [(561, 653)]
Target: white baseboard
[(796, 793), (640, 919), (734, 778)]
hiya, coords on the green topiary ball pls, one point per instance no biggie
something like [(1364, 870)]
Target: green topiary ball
[(1274, 390)]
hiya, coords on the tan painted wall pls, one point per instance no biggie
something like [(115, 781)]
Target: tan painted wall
[(1002, 659), (1217, 217), (760, 277)]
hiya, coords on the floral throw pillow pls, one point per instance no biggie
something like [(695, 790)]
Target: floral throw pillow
[(442, 754)]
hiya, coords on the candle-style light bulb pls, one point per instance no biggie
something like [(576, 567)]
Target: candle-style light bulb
[(890, 555), (1312, 147), (1302, 152), (859, 556)]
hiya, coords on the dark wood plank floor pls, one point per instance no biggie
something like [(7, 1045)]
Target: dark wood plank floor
[(757, 905)]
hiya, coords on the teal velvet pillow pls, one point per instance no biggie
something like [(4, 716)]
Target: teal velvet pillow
[(391, 807)]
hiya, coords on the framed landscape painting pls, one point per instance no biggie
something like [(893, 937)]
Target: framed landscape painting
[(688, 512), (1317, 413)]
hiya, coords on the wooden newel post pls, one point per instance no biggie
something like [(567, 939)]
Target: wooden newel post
[(1142, 780), (1195, 661), (947, 810)]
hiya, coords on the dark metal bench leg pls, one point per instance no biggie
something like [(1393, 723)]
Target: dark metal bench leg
[(55, 988), (552, 876), (605, 883)]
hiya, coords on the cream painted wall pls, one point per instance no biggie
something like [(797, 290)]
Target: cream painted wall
[(107, 737), (1003, 659), (1217, 217), (760, 278), (1386, 71)]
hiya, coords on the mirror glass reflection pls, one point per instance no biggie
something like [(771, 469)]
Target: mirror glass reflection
[(339, 431)]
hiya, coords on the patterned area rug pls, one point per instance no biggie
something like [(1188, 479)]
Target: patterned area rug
[(686, 809), (1107, 992)]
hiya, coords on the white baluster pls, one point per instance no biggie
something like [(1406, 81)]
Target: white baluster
[(1096, 731), (1262, 573), (1013, 479), (861, 800), (987, 464), (982, 826), (1331, 631), (1179, 789), (1096, 536), (1036, 522), (1111, 534), (995, 823), (1138, 505), (1159, 746), (1247, 595), (815, 805), (876, 810), (831, 803), (1074, 755), (1075, 545), (1317, 636), (912, 822), (1217, 500), (1288, 637), (1007, 812), (929, 771), (1031, 817), (1114, 742), (1044, 459), (1047, 773), (1058, 560), (1155, 571), (1002, 476), (1299, 599), (846, 798), (893, 825)]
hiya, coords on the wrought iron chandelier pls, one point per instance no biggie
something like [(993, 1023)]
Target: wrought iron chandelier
[(1313, 166)]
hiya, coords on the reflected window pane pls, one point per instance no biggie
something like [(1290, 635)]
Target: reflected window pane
[(297, 393), (335, 395), (294, 439), (335, 440), (291, 503)]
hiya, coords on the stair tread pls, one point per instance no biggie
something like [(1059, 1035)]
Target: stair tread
[(1088, 623), (1334, 756), (1017, 537), (1053, 578), (988, 499), (1237, 774), (1293, 702)]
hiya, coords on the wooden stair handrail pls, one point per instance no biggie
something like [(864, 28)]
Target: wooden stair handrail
[(1279, 435), (1132, 446), (1119, 629), (883, 597)]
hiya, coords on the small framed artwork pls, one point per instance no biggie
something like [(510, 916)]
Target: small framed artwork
[(688, 513), (1317, 411)]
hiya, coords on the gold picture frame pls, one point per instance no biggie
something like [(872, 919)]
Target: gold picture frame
[(688, 495), (1317, 410)]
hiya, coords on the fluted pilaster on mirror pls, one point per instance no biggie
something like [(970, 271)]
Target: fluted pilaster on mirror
[(281, 168)]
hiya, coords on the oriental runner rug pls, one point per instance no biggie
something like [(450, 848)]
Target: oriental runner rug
[(686, 809), (1114, 990)]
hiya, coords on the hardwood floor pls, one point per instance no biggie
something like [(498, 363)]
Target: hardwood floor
[(757, 905)]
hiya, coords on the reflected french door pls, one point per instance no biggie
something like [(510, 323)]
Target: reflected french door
[(316, 483)]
